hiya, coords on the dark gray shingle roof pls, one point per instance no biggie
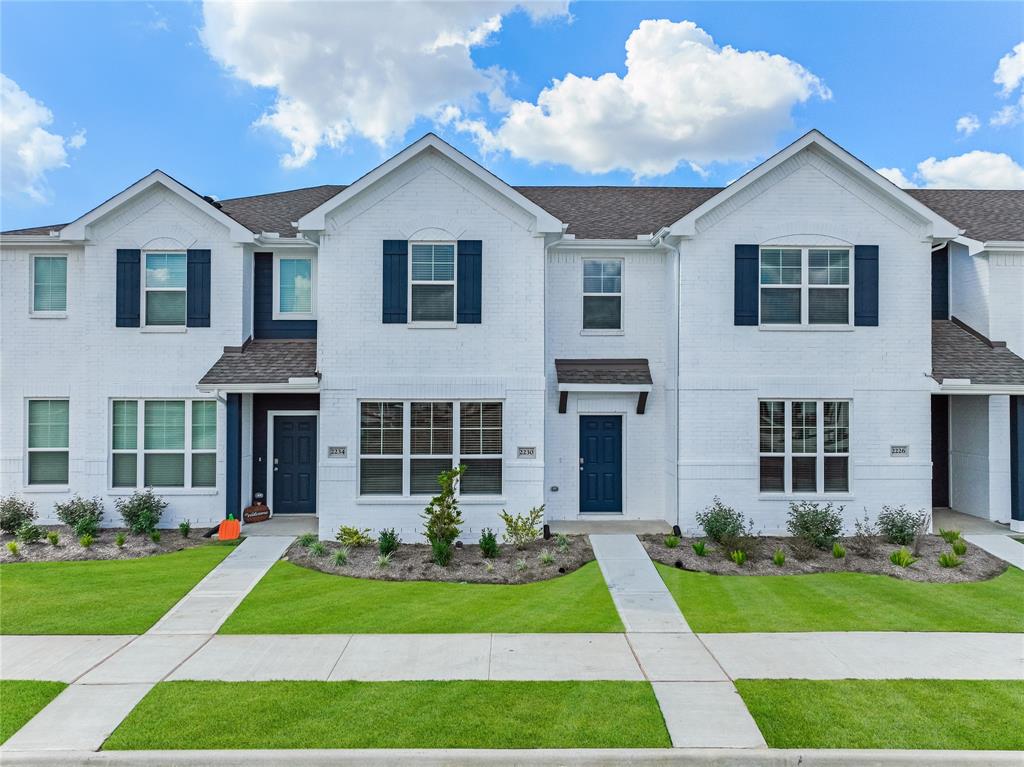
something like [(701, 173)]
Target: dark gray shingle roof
[(986, 214), (603, 371), (277, 211), (959, 353), (264, 362)]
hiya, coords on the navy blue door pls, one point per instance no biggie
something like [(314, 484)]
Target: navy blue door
[(600, 463), (294, 464)]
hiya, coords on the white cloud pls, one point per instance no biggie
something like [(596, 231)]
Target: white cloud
[(358, 69), (1010, 70), (683, 99), (29, 151), (972, 170), (1011, 114), (967, 124)]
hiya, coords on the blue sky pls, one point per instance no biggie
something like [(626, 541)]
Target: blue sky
[(134, 86)]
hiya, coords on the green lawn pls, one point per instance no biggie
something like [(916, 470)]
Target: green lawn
[(99, 597), (296, 600), (21, 700), (845, 602), (906, 713), (203, 715)]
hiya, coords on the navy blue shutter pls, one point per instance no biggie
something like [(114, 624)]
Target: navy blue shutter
[(469, 285), (865, 285), (129, 286), (746, 287), (396, 281), (198, 289)]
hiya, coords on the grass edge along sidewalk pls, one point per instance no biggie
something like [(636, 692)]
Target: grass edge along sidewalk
[(22, 699)]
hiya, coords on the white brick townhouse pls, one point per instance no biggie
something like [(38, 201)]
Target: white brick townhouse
[(808, 332)]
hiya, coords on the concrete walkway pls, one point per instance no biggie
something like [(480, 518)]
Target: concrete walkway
[(102, 695), (1002, 546), (701, 706)]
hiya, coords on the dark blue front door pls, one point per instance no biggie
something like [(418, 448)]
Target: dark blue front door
[(600, 463), (294, 464)]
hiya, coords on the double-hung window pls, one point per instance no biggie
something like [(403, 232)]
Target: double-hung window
[(432, 287), (404, 446), (602, 294), (294, 286), (804, 446), (49, 285), (805, 286), (178, 440), (164, 287), (48, 441)]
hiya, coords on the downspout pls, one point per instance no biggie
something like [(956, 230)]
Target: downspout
[(544, 409), (660, 240)]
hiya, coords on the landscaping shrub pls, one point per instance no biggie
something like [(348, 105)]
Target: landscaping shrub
[(53, 538), (184, 528), (817, 525), (489, 567), (318, 549), (442, 517), (902, 558), (546, 557), (521, 565), (863, 541), (563, 541), (86, 541), (82, 515), (949, 535), (724, 525), (949, 559), (488, 543), (779, 557), (522, 529), (119, 539), (141, 511), (308, 539), (341, 556), (739, 556), (14, 512), (12, 547), (959, 547), (900, 526), (700, 548), (388, 541), (671, 541), (383, 560), (352, 537), (154, 536), (838, 551), (29, 533)]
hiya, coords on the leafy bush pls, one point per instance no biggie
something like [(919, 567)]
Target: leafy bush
[(14, 512), (383, 560), (723, 524), (141, 510), (29, 533), (443, 518), (388, 542), (863, 540), (959, 547), (949, 559), (341, 556), (86, 541), (779, 557), (522, 529), (817, 525), (902, 558), (521, 565), (546, 557), (352, 537), (13, 548), (949, 535), (562, 541), (739, 556), (671, 541), (838, 550), (119, 539), (441, 552), (488, 543), (53, 538), (80, 514), (318, 549), (154, 536), (184, 528), (308, 539), (900, 526), (700, 548)]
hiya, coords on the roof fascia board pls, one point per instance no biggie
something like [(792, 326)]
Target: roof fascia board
[(315, 219), (1003, 245), (645, 244), (76, 229), (257, 388), (981, 388), (34, 239), (605, 387), (941, 228)]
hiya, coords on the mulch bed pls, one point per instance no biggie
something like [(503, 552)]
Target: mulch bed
[(412, 562), (69, 549), (978, 564)]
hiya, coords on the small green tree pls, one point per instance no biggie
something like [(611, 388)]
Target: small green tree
[(442, 517)]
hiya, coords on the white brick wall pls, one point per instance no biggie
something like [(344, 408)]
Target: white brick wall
[(1007, 299), (969, 293)]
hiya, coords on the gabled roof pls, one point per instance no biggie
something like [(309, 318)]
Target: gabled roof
[(940, 227), (278, 212), (314, 220)]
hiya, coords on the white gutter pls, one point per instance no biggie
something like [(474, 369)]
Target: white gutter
[(258, 388)]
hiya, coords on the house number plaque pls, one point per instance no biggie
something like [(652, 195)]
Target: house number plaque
[(899, 451), (337, 452), (527, 452)]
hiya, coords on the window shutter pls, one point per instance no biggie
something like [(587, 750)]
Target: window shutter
[(746, 276), (469, 285), (865, 288), (198, 289), (396, 280), (129, 286)]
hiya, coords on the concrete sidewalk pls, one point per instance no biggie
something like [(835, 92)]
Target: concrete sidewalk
[(1002, 546)]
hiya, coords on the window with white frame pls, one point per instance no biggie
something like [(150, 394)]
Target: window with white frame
[(49, 284), (432, 287), (804, 446), (805, 286), (164, 287), (602, 294), (48, 433), (294, 287), (178, 440), (405, 445)]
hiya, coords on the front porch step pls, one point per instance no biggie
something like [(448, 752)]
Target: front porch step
[(610, 527), (292, 525)]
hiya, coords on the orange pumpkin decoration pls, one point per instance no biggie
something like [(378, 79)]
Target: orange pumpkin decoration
[(229, 529)]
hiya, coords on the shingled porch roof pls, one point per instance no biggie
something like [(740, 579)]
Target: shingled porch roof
[(963, 355), (263, 364)]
